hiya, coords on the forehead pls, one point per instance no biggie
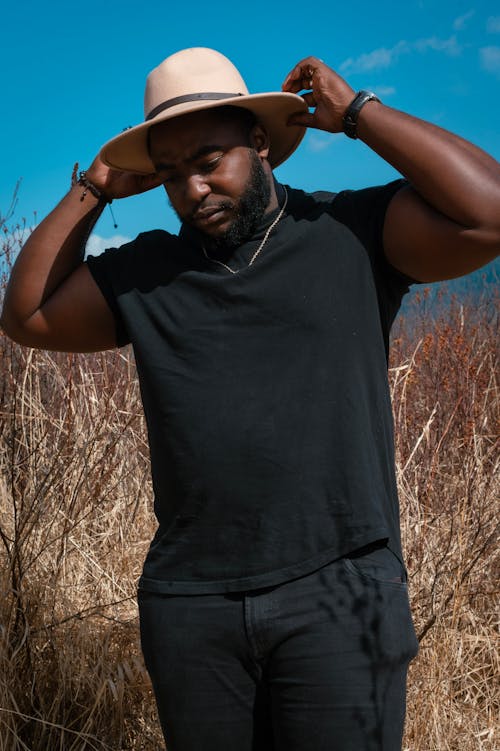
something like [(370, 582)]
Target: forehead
[(185, 135)]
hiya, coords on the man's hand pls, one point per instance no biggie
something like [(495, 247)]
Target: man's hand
[(115, 184), (329, 94)]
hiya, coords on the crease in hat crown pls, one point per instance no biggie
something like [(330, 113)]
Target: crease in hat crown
[(200, 78), (197, 70)]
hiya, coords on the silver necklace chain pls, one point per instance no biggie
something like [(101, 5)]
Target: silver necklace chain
[(265, 239)]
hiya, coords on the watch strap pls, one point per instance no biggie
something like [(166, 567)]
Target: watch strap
[(350, 119)]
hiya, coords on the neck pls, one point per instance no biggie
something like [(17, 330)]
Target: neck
[(277, 195)]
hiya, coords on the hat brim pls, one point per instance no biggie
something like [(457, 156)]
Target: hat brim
[(128, 151)]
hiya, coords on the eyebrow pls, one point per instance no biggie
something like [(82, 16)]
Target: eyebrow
[(202, 151)]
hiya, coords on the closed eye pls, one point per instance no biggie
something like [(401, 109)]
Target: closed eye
[(202, 166), (211, 164)]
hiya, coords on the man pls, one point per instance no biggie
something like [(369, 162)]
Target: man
[(273, 602)]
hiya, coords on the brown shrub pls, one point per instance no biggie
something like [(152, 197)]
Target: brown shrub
[(444, 379)]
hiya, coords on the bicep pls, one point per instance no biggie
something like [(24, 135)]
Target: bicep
[(427, 246), (76, 318)]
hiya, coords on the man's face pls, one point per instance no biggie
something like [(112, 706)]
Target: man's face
[(213, 174)]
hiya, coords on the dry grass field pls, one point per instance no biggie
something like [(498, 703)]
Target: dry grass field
[(75, 521)]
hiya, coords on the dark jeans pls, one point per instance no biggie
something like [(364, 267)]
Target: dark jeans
[(316, 664)]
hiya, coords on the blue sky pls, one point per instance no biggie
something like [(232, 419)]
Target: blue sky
[(73, 77)]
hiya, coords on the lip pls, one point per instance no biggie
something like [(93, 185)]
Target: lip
[(209, 215)]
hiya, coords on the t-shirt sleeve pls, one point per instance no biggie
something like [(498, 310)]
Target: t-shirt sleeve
[(126, 273), (363, 211), (111, 270)]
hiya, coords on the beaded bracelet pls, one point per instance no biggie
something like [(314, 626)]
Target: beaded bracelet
[(80, 178)]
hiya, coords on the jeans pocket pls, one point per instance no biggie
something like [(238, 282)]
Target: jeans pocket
[(378, 564), (377, 582)]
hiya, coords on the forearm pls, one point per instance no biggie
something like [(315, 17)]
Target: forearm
[(455, 177), (51, 253)]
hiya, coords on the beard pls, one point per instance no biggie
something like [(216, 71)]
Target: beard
[(250, 209), (252, 206)]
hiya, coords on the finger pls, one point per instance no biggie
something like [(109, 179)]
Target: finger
[(307, 62), (297, 76), (301, 73), (305, 119), (309, 99), (290, 81), (305, 81), (293, 85), (295, 88)]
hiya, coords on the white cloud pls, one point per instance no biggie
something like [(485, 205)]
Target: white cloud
[(448, 46), (493, 25), (97, 244), (461, 22), (375, 60), (318, 142), (383, 57), (384, 91), (490, 59)]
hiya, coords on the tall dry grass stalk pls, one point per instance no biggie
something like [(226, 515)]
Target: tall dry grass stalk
[(75, 521)]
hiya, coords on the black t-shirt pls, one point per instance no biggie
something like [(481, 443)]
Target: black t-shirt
[(265, 392)]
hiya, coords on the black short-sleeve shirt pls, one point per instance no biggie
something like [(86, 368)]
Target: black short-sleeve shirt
[(265, 392)]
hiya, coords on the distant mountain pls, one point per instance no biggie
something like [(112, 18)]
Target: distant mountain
[(481, 284)]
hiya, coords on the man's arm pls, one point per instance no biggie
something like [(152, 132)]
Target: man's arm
[(52, 301), (446, 223)]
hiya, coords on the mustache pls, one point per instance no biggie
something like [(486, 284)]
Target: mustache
[(204, 209)]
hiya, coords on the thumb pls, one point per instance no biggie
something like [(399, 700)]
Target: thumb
[(305, 119)]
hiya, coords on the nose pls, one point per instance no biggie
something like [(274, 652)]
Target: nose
[(196, 188)]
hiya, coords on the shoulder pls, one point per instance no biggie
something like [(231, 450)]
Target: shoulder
[(350, 207), (136, 259), (150, 242), (363, 212), (145, 241), (304, 205), (354, 205)]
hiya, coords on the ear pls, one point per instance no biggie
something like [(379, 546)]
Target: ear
[(259, 139)]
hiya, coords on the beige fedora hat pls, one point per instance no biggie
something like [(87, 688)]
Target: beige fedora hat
[(196, 79)]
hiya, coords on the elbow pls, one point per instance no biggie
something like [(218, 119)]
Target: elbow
[(489, 226), (15, 329), (10, 330), (481, 215), (496, 238), (482, 248), (6, 323), (488, 240), (482, 235)]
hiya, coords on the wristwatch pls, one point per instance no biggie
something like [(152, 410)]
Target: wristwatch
[(350, 119)]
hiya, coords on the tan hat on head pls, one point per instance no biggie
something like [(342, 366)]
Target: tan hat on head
[(196, 79)]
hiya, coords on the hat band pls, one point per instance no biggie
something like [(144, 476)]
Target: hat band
[(188, 98)]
